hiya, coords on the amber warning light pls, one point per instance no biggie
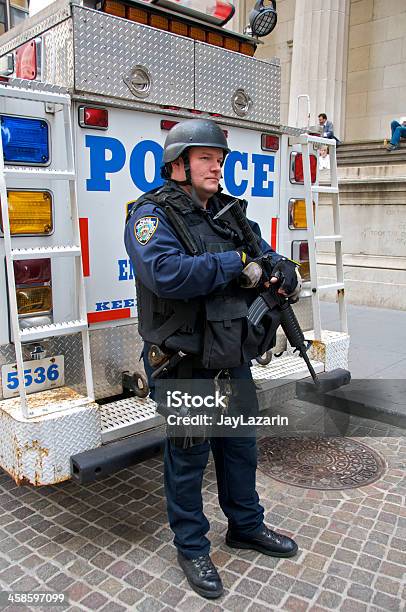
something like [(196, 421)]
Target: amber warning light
[(300, 253), (33, 286)]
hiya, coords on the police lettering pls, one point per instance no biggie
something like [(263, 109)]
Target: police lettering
[(115, 304), (125, 270), (108, 157)]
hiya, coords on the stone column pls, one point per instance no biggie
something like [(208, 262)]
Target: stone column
[(319, 61)]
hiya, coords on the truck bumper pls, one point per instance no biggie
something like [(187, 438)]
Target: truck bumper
[(100, 462)]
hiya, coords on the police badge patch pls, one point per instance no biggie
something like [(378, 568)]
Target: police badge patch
[(145, 228)]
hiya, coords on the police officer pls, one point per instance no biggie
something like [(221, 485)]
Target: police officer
[(187, 266)]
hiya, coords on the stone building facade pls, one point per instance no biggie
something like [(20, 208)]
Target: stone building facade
[(349, 56)]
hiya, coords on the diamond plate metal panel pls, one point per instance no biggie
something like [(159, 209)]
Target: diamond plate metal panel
[(127, 417), (69, 346), (108, 48), (114, 350), (276, 381), (58, 66), (38, 451), (286, 366), (304, 313), (220, 73), (37, 86), (332, 349)]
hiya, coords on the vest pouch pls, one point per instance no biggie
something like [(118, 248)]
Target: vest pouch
[(191, 343), (225, 325), (261, 337)]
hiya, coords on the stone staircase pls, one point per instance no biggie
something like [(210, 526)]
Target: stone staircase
[(370, 153)]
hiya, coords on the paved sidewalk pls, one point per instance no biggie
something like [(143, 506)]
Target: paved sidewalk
[(378, 340), (377, 360), (108, 546)]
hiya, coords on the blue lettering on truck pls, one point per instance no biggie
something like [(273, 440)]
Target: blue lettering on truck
[(232, 159), (108, 156), (262, 187), (115, 304), (125, 270), (100, 163)]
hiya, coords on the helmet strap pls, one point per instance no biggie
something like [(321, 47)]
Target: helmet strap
[(186, 164)]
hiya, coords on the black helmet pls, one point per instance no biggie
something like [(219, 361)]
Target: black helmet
[(193, 133)]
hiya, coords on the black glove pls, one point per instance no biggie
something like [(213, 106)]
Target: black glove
[(285, 270)]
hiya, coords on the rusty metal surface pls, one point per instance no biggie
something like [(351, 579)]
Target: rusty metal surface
[(38, 450), (41, 402), (332, 350), (320, 463)]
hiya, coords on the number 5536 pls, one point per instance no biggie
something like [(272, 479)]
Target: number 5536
[(37, 376)]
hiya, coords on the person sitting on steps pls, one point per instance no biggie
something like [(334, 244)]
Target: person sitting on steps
[(398, 132)]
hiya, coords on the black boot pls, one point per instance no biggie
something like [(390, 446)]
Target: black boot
[(202, 575), (264, 541)]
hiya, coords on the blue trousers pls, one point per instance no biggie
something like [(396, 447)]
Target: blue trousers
[(398, 132), (235, 461)]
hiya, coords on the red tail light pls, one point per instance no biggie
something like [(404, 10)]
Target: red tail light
[(296, 168), (269, 142), (304, 251), (32, 271), (26, 61), (168, 125), (223, 11), (97, 118)]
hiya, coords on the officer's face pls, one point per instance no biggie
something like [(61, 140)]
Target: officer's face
[(205, 169)]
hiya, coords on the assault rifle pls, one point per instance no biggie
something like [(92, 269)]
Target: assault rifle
[(290, 325)]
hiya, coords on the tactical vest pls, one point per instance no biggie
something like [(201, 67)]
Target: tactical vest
[(214, 327)]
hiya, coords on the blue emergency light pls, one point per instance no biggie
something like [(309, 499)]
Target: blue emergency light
[(25, 140)]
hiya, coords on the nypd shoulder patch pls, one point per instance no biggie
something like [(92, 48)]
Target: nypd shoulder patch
[(145, 228)]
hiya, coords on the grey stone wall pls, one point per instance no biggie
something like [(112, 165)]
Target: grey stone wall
[(373, 222)]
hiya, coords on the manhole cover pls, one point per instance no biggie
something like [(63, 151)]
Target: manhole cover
[(320, 463)]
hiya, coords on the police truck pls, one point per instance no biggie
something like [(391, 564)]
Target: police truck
[(88, 92)]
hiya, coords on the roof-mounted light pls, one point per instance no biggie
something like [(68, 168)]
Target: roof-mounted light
[(218, 12), (263, 18)]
